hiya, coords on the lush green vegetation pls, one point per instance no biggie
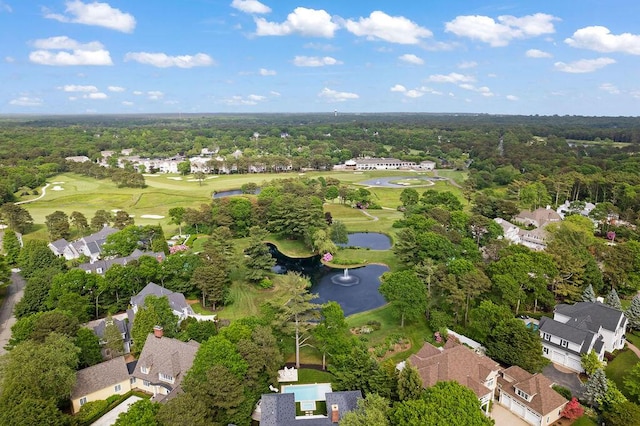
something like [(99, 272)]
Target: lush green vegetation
[(624, 361)]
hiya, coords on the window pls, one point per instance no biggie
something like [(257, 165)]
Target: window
[(83, 400), (489, 383), (117, 388), (545, 350), (99, 270), (166, 378), (522, 394), (144, 370), (132, 380), (564, 343), (146, 383), (546, 336)]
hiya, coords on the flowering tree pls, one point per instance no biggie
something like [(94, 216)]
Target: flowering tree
[(573, 410)]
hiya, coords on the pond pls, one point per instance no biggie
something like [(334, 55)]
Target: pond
[(370, 240), (389, 181), (356, 290), (222, 194)]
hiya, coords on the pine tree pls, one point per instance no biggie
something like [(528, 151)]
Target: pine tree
[(613, 300), (409, 383), (258, 259), (633, 313), (11, 246), (113, 338), (595, 389), (588, 295)]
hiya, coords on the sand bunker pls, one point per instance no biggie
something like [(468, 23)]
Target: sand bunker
[(57, 188), (152, 216), (174, 178), (56, 183)]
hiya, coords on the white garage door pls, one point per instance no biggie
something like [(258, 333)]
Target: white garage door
[(518, 409), (574, 364), (557, 357), (532, 417)]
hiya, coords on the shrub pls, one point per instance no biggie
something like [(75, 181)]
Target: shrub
[(375, 325), (562, 391), (265, 283), (91, 409), (439, 320)]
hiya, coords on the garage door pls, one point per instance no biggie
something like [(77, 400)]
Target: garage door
[(532, 417), (574, 364), (518, 409), (557, 357)]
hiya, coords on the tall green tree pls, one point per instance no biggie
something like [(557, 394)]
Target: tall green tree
[(613, 300), (122, 219), (113, 338), (58, 225), (371, 410), (36, 255), (11, 246), (212, 279), (177, 217), (258, 259), (89, 346), (633, 313), (79, 221), (409, 383), (295, 315), (588, 295), (140, 413), (513, 343), (338, 232), (100, 219), (406, 294), (155, 312), (17, 218), (331, 333)]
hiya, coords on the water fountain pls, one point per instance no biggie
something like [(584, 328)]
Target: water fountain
[(345, 279)]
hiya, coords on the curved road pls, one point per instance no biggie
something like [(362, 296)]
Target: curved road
[(44, 192), (14, 294)]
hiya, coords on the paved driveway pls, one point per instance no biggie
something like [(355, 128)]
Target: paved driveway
[(564, 378), (14, 294), (504, 417)]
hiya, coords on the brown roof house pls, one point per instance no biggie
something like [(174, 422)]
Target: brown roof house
[(457, 362), (163, 364), (100, 381), (530, 396)]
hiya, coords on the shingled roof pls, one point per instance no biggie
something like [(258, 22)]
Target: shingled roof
[(593, 315), (455, 362), (544, 398), (100, 376)]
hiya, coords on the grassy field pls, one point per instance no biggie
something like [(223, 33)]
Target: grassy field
[(620, 366)]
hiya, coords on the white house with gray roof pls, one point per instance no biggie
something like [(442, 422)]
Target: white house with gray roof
[(580, 328), (90, 246), (101, 266), (177, 301), (279, 409)]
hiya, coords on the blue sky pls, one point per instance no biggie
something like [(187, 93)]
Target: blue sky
[(196, 56)]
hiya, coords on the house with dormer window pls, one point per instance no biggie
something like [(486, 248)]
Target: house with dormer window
[(163, 364), (580, 328), (529, 396)]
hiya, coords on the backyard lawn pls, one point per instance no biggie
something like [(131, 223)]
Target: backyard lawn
[(625, 360)]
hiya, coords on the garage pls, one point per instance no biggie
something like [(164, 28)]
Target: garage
[(557, 357), (532, 417), (574, 364), (518, 409)]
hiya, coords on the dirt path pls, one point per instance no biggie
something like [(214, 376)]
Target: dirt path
[(366, 213), (44, 192), (451, 181), (634, 348)]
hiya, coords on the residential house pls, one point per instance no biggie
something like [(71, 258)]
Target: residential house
[(100, 381), (101, 266), (538, 218), (535, 238), (457, 362), (125, 331), (177, 302), (90, 246), (567, 208), (279, 409), (578, 329), (529, 396), (163, 364), (78, 159)]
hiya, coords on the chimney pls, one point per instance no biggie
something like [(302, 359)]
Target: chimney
[(335, 413), (158, 331)]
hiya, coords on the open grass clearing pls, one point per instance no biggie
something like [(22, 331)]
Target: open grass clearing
[(624, 361)]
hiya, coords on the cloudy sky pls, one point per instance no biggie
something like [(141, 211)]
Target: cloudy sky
[(155, 56)]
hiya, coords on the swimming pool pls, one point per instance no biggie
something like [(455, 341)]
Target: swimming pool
[(314, 392)]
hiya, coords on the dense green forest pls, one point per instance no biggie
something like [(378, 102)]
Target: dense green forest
[(451, 266)]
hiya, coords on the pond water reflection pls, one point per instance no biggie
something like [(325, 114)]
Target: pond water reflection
[(357, 291), (370, 240)]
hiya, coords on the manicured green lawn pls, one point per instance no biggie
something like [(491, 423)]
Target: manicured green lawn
[(584, 421), (308, 375), (634, 338), (620, 366)]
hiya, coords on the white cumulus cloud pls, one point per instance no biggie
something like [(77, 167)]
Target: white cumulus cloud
[(609, 88), (162, 60), (26, 101), (115, 89), (250, 6), (414, 93), (600, 39), (467, 64), (155, 95), (97, 95), (314, 61), (78, 88), (501, 32), (264, 71), (65, 51), (536, 53), (335, 96), (398, 88), (411, 59), (453, 77), (302, 21), (512, 98), (394, 29), (584, 65), (96, 14)]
